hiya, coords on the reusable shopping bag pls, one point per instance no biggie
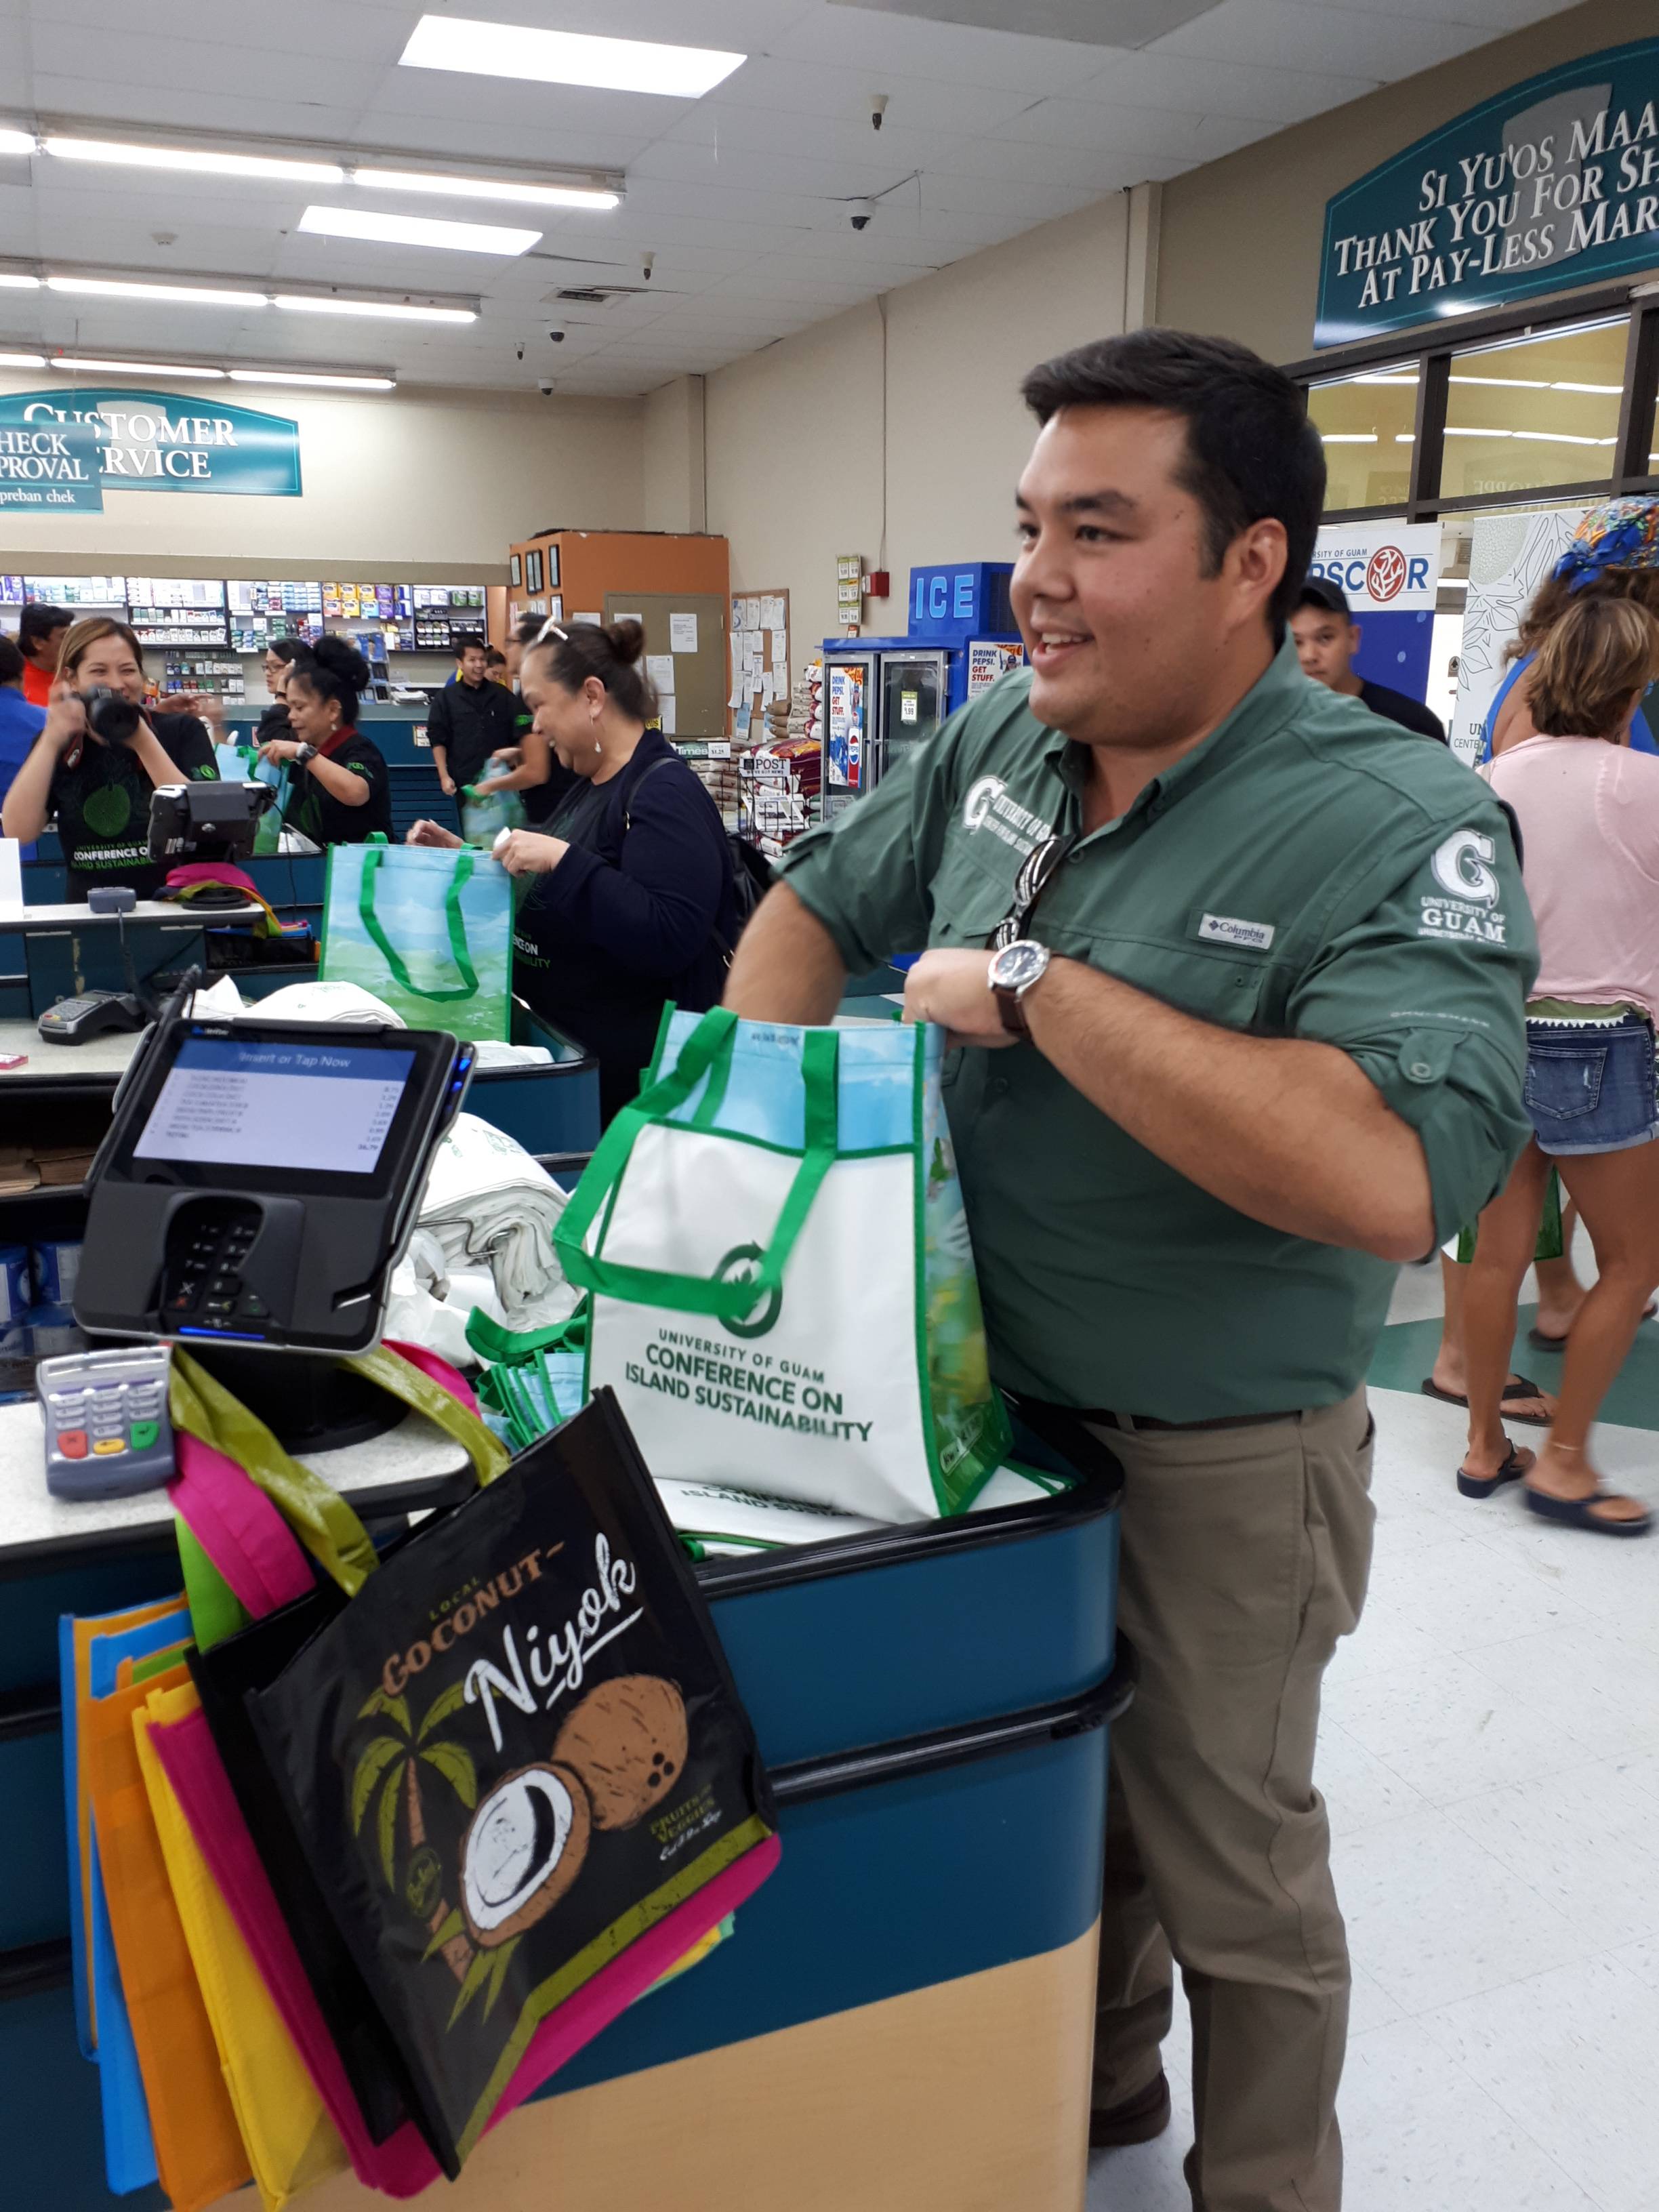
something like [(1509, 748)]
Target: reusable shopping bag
[(289, 2139), (783, 1289), (428, 931), (520, 1772), (199, 2155), (78, 1637), (485, 814)]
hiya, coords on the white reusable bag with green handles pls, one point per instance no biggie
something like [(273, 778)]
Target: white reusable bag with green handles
[(782, 1287), (427, 929)]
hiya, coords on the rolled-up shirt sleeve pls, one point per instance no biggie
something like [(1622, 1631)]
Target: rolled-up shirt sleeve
[(1423, 981)]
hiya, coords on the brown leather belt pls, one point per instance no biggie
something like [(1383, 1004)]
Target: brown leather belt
[(1128, 1423)]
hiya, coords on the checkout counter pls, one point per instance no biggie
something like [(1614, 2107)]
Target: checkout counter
[(902, 2020)]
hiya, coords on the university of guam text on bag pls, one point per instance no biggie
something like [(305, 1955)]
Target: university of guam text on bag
[(783, 1289)]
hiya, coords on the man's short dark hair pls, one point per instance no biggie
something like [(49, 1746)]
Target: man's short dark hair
[(530, 629), (11, 662), (1330, 599), (465, 640), (1252, 453), (40, 621)]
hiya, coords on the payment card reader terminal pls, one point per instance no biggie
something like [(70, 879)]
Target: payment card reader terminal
[(105, 1416), (260, 1180)]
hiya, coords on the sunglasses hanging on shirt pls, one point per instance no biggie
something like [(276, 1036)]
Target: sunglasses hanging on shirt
[(1037, 871)]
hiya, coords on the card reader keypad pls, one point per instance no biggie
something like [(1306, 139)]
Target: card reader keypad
[(205, 1285), (107, 1433)]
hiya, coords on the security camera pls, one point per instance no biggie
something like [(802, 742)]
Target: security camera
[(519, 351), (545, 387), (877, 109), (860, 214), (557, 335), (647, 263)]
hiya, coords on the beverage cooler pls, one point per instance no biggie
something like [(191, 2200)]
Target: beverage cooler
[(883, 696)]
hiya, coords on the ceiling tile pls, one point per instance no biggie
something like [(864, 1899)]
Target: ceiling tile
[(1342, 40), (1096, 22)]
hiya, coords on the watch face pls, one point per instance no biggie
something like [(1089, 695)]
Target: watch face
[(1016, 965)]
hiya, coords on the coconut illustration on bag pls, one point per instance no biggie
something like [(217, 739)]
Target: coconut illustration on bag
[(627, 1740), (524, 1847)]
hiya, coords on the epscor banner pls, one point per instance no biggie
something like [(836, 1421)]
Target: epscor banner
[(1388, 571)]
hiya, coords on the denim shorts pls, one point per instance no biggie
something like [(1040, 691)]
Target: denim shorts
[(1590, 1085)]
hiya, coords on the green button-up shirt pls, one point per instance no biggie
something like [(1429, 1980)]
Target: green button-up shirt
[(1308, 870)]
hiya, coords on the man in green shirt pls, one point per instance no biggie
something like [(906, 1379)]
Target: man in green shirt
[(1258, 1039)]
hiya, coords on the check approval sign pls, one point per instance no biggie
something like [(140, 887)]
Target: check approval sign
[(142, 440)]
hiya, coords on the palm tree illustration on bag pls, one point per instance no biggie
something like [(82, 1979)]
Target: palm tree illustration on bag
[(388, 1775)]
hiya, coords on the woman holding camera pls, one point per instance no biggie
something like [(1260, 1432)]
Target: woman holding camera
[(339, 792), (99, 759)]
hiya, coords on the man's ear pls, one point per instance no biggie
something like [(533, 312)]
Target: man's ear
[(1355, 632)]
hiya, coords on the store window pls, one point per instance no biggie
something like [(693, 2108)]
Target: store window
[(1365, 423), (1534, 412)]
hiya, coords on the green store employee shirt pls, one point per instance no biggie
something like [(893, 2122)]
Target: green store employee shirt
[(1307, 872)]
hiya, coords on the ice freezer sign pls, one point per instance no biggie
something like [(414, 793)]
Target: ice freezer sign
[(162, 441), (315, 1107), (844, 754), (1554, 183)]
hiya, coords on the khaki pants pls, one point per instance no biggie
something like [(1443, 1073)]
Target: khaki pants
[(1245, 1557)]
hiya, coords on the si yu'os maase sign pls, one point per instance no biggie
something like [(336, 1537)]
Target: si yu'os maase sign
[(60, 450), (1554, 184)]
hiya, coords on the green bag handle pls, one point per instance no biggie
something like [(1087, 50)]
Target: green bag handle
[(454, 919), (504, 1347), (318, 1515), (709, 1043)]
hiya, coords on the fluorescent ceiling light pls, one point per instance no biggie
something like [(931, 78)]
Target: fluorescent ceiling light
[(308, 376), (1347, 437), (22, 361), (206, 162), (199, 295), (1379, 380), (298, 303), (1453, 583), (1558, 438), (1611, 391), (486, 188), (1405, 437), (1453, 431), (19, 284), (377, 229), (451, 42), (1506, 383), (18, 142), (132, 367)]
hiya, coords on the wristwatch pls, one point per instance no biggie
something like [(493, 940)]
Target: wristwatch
[(1014, 971), (306, 755)]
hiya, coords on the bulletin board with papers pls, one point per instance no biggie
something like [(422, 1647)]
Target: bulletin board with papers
[(760, 659)]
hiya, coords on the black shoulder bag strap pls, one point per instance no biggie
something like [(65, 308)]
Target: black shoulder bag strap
[(728, 953)]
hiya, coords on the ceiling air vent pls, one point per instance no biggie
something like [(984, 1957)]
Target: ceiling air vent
[(584, 296)]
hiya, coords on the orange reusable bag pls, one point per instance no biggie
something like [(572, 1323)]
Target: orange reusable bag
[(78, 1686), (199, 2154), (291, 2143)]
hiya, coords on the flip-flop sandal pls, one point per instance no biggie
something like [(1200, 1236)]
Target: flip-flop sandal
[(1515, 1394), (1575, 1513), (1540, 1342), (1488, 1486)]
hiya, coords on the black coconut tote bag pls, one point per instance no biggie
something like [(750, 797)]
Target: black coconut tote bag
[(587, 1798)]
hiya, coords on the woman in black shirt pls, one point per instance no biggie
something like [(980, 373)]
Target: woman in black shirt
[(630, 901), (340, 794), (98, 791)]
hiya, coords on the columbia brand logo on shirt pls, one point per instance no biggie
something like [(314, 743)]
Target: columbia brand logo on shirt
[(1227, 929), (987, 806)]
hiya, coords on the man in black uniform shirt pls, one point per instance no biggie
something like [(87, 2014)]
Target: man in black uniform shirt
[(470, 719), (1327, 637)]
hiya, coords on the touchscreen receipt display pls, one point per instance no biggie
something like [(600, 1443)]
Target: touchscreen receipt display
[(318, 1107)]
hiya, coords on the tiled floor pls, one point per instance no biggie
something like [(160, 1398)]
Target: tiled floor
[(1491, 1755)]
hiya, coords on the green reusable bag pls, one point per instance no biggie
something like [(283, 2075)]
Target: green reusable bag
[(428, 931)]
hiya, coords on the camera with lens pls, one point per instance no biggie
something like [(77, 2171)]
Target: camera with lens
[(110, 715)]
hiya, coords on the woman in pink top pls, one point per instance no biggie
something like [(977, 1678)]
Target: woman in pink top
[(1589, 811)]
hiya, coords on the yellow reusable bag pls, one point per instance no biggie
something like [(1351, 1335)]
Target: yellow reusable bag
[(290, 2141)]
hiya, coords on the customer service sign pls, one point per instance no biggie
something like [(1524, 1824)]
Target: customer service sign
[(1554, 184), (60, 450)]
